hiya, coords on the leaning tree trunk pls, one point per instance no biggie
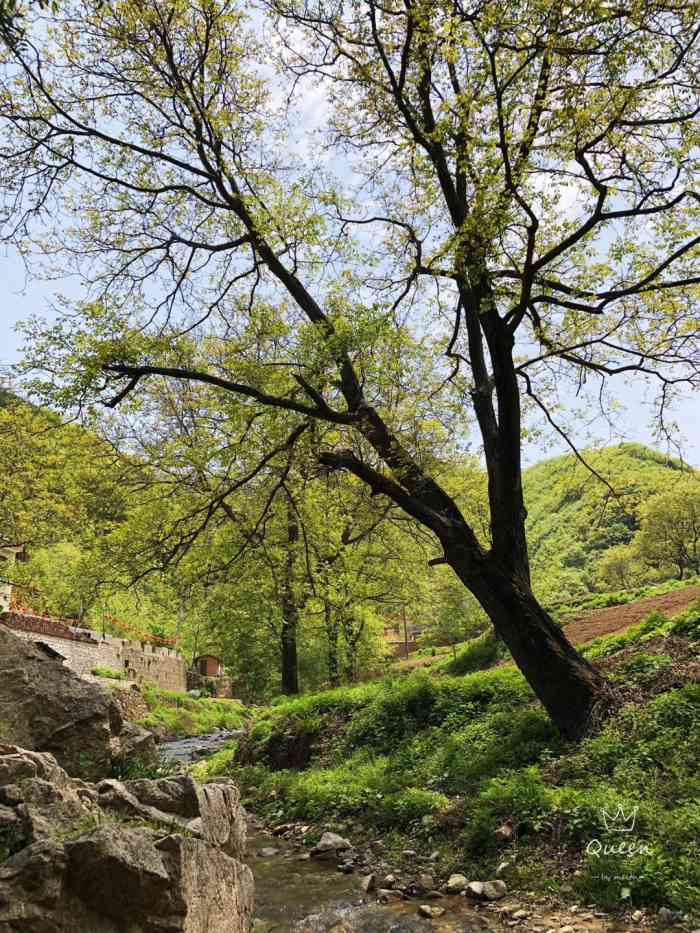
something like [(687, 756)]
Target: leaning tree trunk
[(574, 694)]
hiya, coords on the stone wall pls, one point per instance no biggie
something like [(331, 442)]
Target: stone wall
[(84, 650)]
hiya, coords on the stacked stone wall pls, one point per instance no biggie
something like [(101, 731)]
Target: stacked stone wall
[(85, 650)]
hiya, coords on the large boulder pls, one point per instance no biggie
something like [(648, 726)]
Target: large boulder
[(46, 707), (120, 857)]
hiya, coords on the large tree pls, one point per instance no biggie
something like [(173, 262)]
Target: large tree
[(514, 181)]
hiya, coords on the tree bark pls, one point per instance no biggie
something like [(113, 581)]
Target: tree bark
[(332, 634), (574, 694), (290, 609), (290, 665)]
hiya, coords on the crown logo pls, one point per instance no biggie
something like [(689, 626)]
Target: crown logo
[(620, 822)]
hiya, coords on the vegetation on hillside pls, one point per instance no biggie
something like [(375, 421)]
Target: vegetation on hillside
[(174, 714), (472, 766), (575, 520)]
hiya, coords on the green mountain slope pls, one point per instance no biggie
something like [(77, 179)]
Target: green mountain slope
[(573, 517)]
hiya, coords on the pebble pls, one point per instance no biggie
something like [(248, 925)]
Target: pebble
[(267, 852), (456, 883), (427, 910)]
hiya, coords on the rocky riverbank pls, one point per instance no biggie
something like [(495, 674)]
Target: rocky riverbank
[(118, 857), (332, 886)]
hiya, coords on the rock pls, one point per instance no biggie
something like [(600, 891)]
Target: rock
[(423, 882), (136, 743), (637, 916), (389, 894), (668, 916), (520, 915), (211, 811), (486, 890), (368, 883), (48, 708), (346, 868), (502, 867), (567, 929), (456, 883), (68, 870), (409, 853), (267, 852), (389, 881), (172, 883), (427, 910), (329, 845)]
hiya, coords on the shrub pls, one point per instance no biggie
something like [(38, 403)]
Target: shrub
[(108, 672), (477, 655)]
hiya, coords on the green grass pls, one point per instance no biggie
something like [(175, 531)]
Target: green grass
[(476, 655), (441, 763), (180, 714), (108, 672)]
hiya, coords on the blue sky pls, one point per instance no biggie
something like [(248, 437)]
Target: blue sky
[(20, 298)]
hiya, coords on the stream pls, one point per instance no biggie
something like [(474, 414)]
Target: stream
[(298, 894)]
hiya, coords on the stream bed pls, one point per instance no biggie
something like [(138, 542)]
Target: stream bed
[(298, 894)]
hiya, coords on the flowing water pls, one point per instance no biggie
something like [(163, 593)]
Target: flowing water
[(298, 894)]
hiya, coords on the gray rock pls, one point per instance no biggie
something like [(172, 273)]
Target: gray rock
[(329, 845), (267, 852), (423, 882), (48, 708), (368, 883), (486, 890), (136, 743), (71, 871)]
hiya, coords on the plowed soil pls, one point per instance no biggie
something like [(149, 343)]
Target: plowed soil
[(596, 622), (599, 622)]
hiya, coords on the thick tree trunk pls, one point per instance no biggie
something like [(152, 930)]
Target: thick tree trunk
[(574, 694)]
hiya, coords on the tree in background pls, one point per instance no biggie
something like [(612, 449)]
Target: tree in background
[(621, 567), (527, 180), (670, 529)]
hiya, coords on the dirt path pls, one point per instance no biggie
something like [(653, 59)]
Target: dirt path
[(599, 622)]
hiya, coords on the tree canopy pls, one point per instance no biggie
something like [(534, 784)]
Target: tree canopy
[(503, 201)]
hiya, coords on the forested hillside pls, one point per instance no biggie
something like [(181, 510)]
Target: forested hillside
[(575, 518)]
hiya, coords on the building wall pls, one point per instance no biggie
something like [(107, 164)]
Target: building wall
[(140, 661)]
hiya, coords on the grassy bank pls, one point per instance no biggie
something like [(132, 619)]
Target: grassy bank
[(471, 766), (178, 714)]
